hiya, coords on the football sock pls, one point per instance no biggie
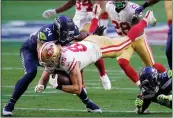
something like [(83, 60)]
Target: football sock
[(129, 71), (137, 30), (159, 67), (94, 25), (22, 85), (83, 96), (100, 66), (100, 63)]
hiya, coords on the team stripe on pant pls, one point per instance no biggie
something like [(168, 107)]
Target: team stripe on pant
[(116, 48), (23, 63), (149, 50)]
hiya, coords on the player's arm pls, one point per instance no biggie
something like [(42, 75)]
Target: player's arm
[(51, 12), (145, 5), (76, 79), (141, 104), (42, 83)]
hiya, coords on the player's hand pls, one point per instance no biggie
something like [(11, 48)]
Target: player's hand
[(53, 80), (39, 88), (164, 99), (139, 10), (138, 102), (48, 13), (100, 30)]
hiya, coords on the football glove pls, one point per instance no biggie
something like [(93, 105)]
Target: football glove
[(139, 10), (48, 13), (138, 102), (100, 30), (53, 80), (165, 100), (39, 88)]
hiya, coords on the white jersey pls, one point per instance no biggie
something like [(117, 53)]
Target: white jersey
[(83, 13), (84, 5), (84, 52), (122, 20)]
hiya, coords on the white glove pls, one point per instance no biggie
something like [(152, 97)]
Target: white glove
[(39, 88), (48, 13), (53, 80)]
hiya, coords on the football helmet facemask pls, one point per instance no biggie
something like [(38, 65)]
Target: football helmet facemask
[(149, 81)]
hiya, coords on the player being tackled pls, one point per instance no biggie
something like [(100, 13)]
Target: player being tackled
[(72, 59)]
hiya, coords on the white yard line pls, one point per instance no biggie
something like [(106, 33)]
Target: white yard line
[(88, 70), (17, 54), (80, 110), (25, 95), (95, 87)]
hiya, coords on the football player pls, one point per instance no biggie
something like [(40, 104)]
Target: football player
[(122, 14), (155, 87), (62, 31), (168, 7), (79, 55), (83, 15)]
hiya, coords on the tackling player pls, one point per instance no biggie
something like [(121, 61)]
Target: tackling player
[(122, 14), (62, 31), (168, 6), (77, 56), (155, 87), (83, 15)]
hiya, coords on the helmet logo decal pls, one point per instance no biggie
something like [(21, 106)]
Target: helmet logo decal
[(50, 51)]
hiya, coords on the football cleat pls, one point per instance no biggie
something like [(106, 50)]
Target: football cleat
[(149, 18), (92, 107), (106, 82), (8, 108)]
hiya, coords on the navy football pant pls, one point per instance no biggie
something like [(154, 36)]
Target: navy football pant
[(169, 47), (30, 63)]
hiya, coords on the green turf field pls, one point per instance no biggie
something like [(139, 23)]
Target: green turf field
[(118, 102)]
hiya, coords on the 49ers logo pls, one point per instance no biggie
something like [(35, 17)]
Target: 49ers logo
[(50, 51)]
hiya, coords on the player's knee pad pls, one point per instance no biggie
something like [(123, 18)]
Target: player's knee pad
[(123, 62)]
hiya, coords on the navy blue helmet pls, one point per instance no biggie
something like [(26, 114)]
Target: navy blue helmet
[(64, 28), (149, 80)]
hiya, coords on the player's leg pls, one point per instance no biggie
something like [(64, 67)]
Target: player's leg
[(169, 47), (104, 20), (123, 61), (100, 63), (145, 53), (30, 64), (91, 106)]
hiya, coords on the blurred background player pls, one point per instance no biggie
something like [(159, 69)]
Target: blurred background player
[(62, 31), (155, 87), (83, 15), (168, 8), (122, 14)]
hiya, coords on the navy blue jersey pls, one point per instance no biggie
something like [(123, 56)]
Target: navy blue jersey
[(46, 34)]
